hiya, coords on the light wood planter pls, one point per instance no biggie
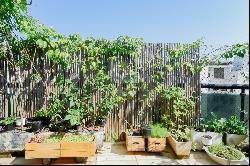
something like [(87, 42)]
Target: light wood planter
[(156, 144), (78, 149), (42, 150), (61, 149), (180, 148), (135, 143)]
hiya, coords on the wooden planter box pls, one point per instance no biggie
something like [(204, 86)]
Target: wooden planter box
[(78, 149), (180, 148), (135, 143), (42, 150), (156, 144)]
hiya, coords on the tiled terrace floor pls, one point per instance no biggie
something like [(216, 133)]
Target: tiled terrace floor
[(116, 154)]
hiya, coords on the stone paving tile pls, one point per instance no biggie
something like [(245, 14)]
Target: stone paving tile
[(117, 155), (151, 157), (158, 162), (8, 160), (196, 162), (110, 162)]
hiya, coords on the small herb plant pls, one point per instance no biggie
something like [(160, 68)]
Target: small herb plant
[(79, 138), (226, 152), (182, 136), (7, 121), (235, 126), (43, 113), (158, 131), (215, 124), (55, 138)]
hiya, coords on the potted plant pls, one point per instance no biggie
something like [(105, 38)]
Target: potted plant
[(146, 130), (44, 116), (206, 140), (236, 131), (157, 140), (181, 141), (8, 123), (19, 121), (223, 154), (213, 127), (134, 139)]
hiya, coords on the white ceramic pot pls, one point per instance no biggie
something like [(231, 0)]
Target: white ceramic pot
[(19, 121), (223, 161), (216, 138), (235, 139), (207, 140)]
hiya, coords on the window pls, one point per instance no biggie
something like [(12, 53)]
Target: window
[(219, 73)]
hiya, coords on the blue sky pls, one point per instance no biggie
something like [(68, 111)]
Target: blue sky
[(218, 21)]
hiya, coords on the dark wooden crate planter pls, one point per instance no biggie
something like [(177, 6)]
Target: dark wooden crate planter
[(156, 144), (135, 143)]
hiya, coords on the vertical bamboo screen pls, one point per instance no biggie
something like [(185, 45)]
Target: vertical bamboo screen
[(139, 110)]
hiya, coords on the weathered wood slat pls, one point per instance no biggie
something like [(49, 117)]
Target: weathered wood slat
[(139, 110)]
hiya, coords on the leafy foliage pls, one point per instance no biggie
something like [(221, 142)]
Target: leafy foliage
[(182, 105), (43, 113), (182, 135), (7, 121), (232, 125), (240, 50), (215, 124), (235, 126), (158, 131), (227, 152)]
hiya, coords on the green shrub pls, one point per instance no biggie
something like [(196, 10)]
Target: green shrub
[(182, 136), (235, 126), (157, 131), (7, 121), (227, 152), (215, 124)]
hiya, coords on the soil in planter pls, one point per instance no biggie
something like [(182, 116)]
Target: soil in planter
[(100, 122), (38, 138), (207, 136)]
